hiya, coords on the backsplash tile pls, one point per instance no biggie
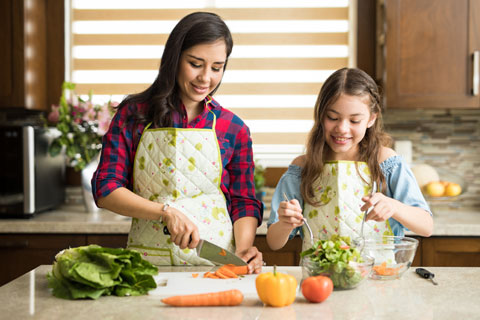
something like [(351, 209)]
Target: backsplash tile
[(443, 138)]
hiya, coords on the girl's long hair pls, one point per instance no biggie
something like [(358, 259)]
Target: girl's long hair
[(352, 82), (163, 97)]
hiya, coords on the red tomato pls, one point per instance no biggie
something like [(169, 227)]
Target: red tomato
[(317, 288)]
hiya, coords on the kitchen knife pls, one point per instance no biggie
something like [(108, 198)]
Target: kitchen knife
[(212, 252)]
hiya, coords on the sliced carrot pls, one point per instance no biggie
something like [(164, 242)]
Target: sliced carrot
[(223, 298), (227, 272), (194, 275), (383, 270), (221, 275), (222, 253), (238, 270)]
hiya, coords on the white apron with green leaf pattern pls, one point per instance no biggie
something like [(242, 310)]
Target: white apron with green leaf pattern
[(181, 167), (340, 190)]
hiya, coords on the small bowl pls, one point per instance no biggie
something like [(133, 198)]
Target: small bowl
[(347, 277), (448, 176), (393, 256)]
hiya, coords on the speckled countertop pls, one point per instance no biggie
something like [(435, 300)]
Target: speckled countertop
[(410, 297), (74, 219)]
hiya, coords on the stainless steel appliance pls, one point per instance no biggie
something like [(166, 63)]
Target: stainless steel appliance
[(31, 180)]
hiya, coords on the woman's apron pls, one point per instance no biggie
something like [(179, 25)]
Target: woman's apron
[(340, 191), (181, 167)]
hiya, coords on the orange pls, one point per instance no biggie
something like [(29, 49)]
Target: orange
[(435, 189), (453, 189)]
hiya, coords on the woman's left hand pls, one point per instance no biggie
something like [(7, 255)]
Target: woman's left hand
[(253, 257), (382, 206)]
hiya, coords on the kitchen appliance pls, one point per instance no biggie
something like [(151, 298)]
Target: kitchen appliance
[(31, 180)]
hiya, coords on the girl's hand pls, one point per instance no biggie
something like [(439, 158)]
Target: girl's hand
[(290, 213), (253, 257), (382, 206), (183, 232)]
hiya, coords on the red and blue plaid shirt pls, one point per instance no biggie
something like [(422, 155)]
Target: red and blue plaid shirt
[(119, 146)]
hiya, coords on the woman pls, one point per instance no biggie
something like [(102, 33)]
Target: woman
[(174, 157)]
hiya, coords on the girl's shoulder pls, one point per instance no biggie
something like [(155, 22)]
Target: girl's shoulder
[(299, 161), (385, 153)]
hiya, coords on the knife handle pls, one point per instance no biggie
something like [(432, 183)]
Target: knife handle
[(424, 273), (165, 230)]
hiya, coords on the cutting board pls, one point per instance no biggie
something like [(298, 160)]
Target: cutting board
[(177, 283)]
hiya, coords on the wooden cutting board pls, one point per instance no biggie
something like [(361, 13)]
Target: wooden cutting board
[(177, 283)]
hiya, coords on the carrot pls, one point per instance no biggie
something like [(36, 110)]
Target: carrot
[(238, 270), (194, 275), (222, 253), (210, 275), (227, 272), (223, 298), (219, 274), (384, 271)]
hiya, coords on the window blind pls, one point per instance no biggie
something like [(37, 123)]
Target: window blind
[(283, 51)]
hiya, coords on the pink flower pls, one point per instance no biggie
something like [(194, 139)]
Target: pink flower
[(54, 115)]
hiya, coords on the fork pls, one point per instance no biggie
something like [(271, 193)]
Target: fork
[(304, 220), (360, 241)]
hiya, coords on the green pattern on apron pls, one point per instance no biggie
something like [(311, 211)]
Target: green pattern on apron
[(340, 191), (181, 167)]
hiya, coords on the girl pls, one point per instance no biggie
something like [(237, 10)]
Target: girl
[(346, 155), (173, 157)]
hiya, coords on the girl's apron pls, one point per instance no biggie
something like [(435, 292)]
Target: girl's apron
[(340, 191), (181, 167)]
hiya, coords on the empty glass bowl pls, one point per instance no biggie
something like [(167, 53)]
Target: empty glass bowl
[(393, 256)]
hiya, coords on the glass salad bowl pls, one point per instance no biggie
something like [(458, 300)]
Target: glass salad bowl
[(393, 256)]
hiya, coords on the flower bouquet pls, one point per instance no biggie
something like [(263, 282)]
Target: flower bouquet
[(81, 125)]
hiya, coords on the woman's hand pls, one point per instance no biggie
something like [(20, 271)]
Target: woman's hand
[(253, 257), (183, 232), (382, 206), (290, 213)]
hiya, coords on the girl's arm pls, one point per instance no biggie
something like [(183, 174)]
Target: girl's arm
[(286, 217), (289, 217), (404, 200), (413, 218)]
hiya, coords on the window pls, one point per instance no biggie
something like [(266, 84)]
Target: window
[(283, 51)]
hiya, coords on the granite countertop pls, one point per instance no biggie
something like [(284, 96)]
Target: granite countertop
[(74, 219), (410, 297)]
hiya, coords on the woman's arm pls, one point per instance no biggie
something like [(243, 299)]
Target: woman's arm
[(245, 230), (183, 232)]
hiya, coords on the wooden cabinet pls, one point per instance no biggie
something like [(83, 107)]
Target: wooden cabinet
[(425, 53), (23, 252), (32, 55), (451, 252)]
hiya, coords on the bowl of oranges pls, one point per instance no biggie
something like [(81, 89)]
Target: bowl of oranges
[(439, 184)]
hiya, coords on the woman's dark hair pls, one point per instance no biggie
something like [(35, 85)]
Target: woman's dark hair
[(352, 82), (162, 97)]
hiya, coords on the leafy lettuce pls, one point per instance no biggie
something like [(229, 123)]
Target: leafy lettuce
[(92, 271)]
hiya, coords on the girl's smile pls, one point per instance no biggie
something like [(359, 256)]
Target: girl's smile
[(346, 122)]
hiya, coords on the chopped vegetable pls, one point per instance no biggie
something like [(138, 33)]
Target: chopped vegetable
[(333, 258), (223, 253), (92, 271), (194, 275), (382, 270), (223, 298), (238, 270)]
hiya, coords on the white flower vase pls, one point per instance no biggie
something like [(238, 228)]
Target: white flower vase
[(87, 174)]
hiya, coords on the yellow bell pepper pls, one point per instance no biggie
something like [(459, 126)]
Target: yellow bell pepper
[(276, 289)]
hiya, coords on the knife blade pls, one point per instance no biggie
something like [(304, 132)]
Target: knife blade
[(212, 252)]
